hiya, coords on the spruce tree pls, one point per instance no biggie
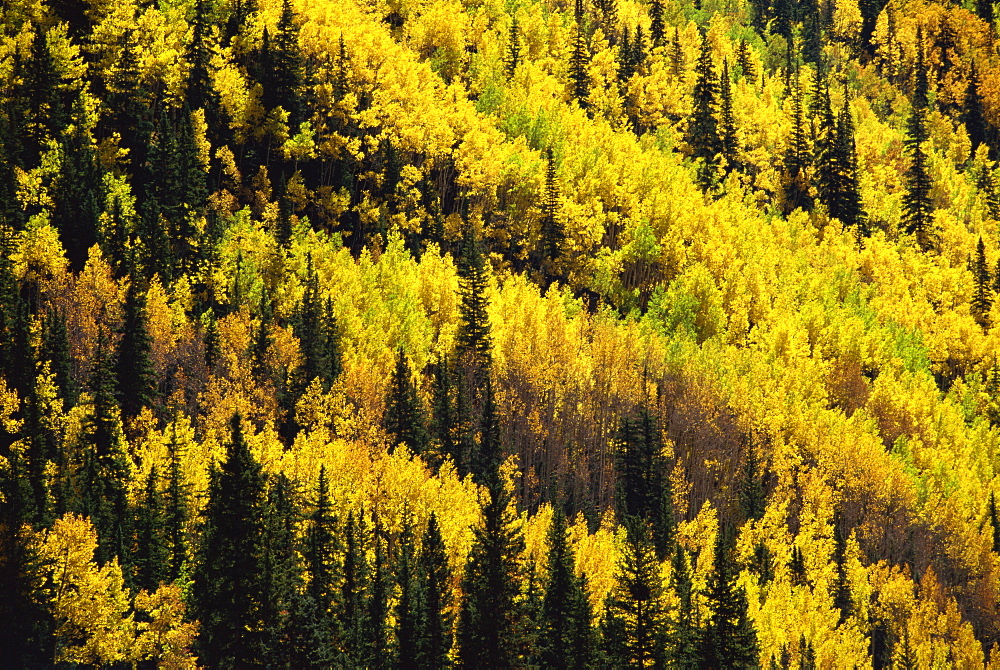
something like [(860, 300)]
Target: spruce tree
[(552, 232), (44, 110), (917, 205), (728, 143), (643, 489), (841, 589), (676, 56), (320, 550), (973, 114), (564, 626), (404, 413), (78, 193), (847, 205), (434, 633), (408, 604), (354, 589), (513, 58), (683, 633), (579, 62), (488, 615), (473, 338), (824, 136), (376, 639), (134, 366), (444, 428), (744, 62), (982, 294), (656, 27), (55, 350), (284, 71), (105, 468), (634, 626), (753, 498), (176, 508), (282, 572), (230, 587), (703, 131), (797, 156), (152, 553), (730, 640)]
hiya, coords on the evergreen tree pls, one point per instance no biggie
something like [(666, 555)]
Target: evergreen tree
[(230, 584), (579, 62), (564, 626), (488, 616), (404, 413), (282, 574), (377, 630), (634, 626), (676, 57), (284, 69), (917, 205), (753, 498), (444, 421), (729, 639), (79, 191), (994, 524), (797, 155), (919, 100), (728, 143), (55, 350), (44, 110), (354, 588), (319, 340), (703, 131), (683, 632), (973, 114), (176, 508), (841, 588), (984, 9), (982, 295), (797, 566), (152, 554), (847, 206), (105, 469), (320, 550), (434, 632), (134, 367), (553, 235), (656, 27), (513, 58), (744, 62), (473, 338), (824, 136), (643, 489), (408, 604)]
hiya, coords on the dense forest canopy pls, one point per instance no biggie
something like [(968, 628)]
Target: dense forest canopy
[(417, 333)]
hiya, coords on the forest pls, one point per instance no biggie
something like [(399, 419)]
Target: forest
[(499, 333)]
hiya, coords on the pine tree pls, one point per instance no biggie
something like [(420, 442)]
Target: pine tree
[(564, 626), (728, 143), (282, 572), (917, 205), (841, 588), (824, 136), (134, 366), (753, 498), (553, 235), (44, 108), (152, 555), (984, 9), (513, 58), (404, 413), (473, 338), (408, 603), (643, 488), (284, 68), (729, 640), (973, 114), (797, 566), (488, 615), (797, 155), (579, 62), (434, 633), (105, 470), (683, 632), (847, 206), (319, 339), (376, 640), (78, 193), (982, 294), (230, 587), (703, 131), (676, 57), (55, 350), (176, 508), (320, 549), (994, 524), (444, 428), (744, 62), (634, 626), (656, 27)]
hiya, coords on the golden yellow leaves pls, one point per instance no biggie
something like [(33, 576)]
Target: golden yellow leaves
[(95, 618)]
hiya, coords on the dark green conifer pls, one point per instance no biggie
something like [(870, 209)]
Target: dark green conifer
[(404, 413), (78, 193), (797, 155), (408, 604), (579, 63), (285, 69), (230, 585), (973, 115), (176, 506), (683, 632), (434, 634), (744, 62), (656, 27), (753, 498), (377, 631), (513, 58), (354, 588), (847, 206), (676, 56), (55, 349), (473, 338), (634, 625), (703, 131), (643, 490), (917, 218), (564, 625), (553, 234), (44, 108), (152, 553), (841, 588), (282, 574), (984, 9), (797, 566), (982, 294), (444, 416), (729, 144), (730, 640), (134, 367)]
